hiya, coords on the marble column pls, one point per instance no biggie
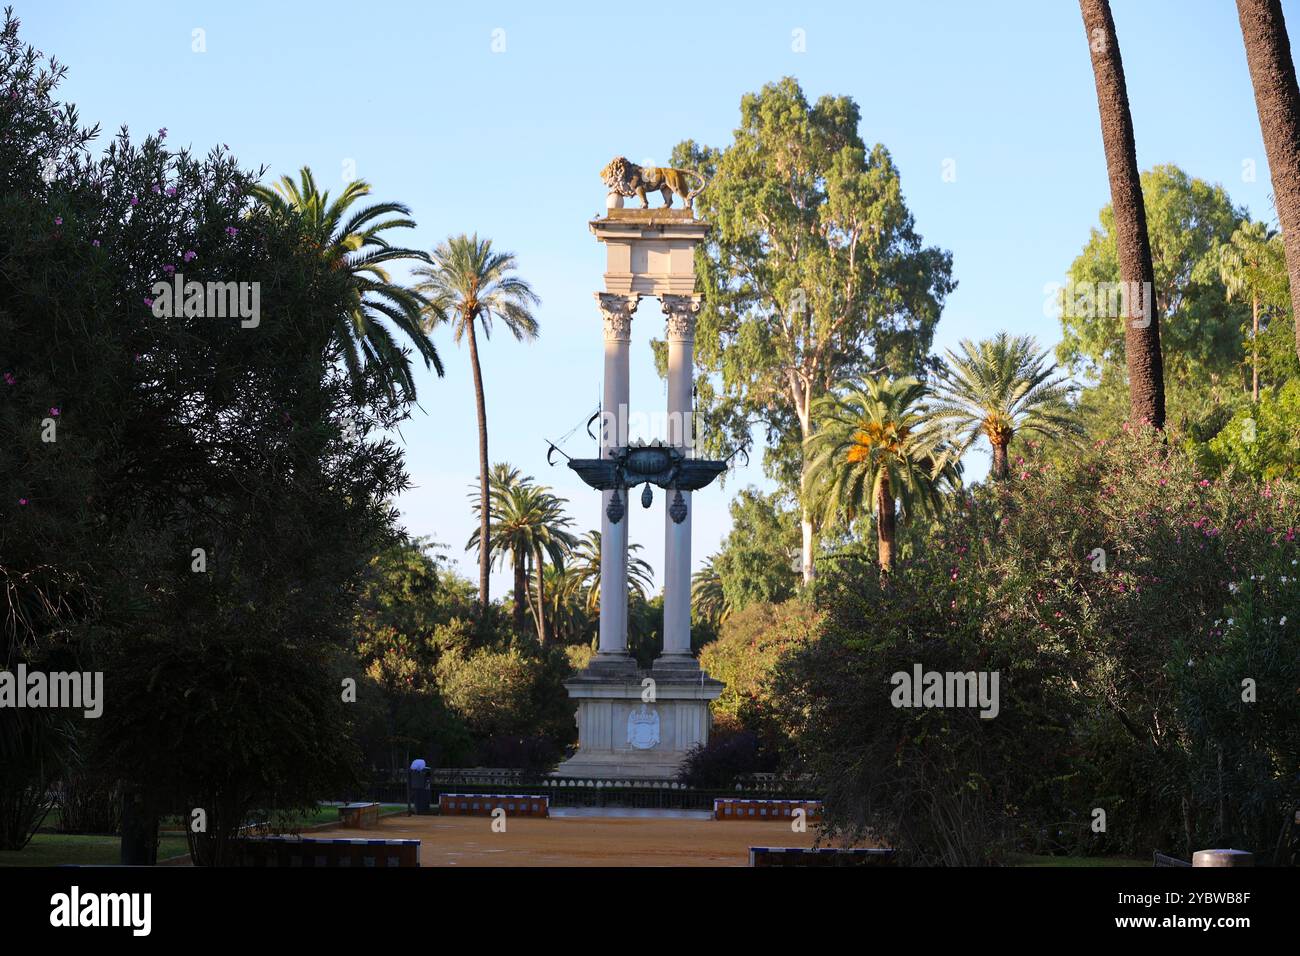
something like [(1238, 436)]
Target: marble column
[(617, 311), (680, 311)]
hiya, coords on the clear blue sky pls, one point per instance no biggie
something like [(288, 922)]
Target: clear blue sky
[(509, 144)]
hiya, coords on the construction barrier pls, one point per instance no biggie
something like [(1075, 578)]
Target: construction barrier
[(305, 851), (825, 856), (359, 816), (482, 804), (730, 808)]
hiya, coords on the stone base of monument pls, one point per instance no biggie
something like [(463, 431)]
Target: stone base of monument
[(629, 727)]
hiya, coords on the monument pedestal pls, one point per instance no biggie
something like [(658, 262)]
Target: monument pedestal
[(622, 735)]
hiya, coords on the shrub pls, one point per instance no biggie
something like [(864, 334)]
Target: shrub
[(751, 643), (1131, 605), (940, 785), (728, 755), (89, 801), (1132, 563)]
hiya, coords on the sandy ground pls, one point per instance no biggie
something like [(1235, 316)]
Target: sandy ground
[(581, 841)]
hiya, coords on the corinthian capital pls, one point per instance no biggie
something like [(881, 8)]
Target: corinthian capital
[(681, 311), (617, 310)]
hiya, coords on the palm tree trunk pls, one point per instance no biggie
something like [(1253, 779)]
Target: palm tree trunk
[(885, 526), (1141, 323), (1000, 468), (483, 527), (541, 599), (521, 593), (1277, 98)]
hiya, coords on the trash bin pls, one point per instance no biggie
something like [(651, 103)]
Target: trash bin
[(420, 788)]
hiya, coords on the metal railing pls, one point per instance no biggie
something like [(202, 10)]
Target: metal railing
[(641, 793)]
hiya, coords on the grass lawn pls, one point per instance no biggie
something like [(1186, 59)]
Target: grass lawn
[(54, 849), (299, 821)]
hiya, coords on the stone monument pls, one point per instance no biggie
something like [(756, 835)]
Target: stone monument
[(633, 722)]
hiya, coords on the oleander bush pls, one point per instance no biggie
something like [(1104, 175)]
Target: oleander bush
[(1142, 618)]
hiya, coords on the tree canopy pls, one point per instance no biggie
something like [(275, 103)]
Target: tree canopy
[(814, 272)]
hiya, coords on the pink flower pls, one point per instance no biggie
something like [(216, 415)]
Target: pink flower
[(191, 254), (162, 133), (54, 410), (9, 378), (169, 268), (171, 190), (95, 243), (1203, 483), (22, 501), (58, 220), (232, 231), (135, 200), (148, 301)]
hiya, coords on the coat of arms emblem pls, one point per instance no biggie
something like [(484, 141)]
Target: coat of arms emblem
[(643, 728)]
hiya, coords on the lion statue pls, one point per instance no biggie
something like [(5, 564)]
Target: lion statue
[(628, 179)]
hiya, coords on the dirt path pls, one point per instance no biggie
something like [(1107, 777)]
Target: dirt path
[(581, 841)]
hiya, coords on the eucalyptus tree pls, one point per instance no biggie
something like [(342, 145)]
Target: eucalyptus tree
[(352, 243), (813, 272), (999, 388), (1141, 319), (469, 285), (876, 451), (1187, 220)]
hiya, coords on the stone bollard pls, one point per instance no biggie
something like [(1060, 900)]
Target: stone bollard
[(1223, 858)]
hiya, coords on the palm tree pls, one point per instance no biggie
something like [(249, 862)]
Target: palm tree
[(1146, 385), (569, 620), (708, 599), (503, 480), (875, 450), (998, 388), (528, 525), (1253, 266), (584, 567), (468, 284), (351, 241), (1277, 98)]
